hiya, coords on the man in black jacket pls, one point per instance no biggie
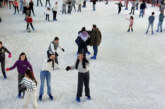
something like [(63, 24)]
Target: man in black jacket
[(142, 8), (2, 58)]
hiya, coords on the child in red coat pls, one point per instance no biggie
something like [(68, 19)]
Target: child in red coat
[(29, 20)]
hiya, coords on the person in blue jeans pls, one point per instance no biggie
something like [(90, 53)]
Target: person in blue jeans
[(161, 18), (47, 69), (151, 22), (142, 9), (95, 40), (94, 5)]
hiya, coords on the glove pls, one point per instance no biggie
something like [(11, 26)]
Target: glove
[(67, 68), (9, 56), (56, 53), (7, 69), (62, 49)]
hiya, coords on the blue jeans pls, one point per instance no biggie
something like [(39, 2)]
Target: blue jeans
[(150, 24), (95, 48), (94, 7), (45, 75), (21, 6), (160, 25), (141, 12)]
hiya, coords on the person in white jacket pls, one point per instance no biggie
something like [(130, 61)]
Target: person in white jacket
[(48, 68), (29, 82), (55, 9), (47, 12), (79, 5)]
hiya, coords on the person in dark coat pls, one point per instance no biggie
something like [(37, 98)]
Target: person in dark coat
[(31, 4), (95, 40)]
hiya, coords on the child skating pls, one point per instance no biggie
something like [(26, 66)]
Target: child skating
[(119, 7), (29, 21), (47, 13), (3, 50), (151, 23), (82, 65), (131, 24)]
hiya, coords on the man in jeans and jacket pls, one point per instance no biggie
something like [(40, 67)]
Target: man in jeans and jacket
[(95, 40)]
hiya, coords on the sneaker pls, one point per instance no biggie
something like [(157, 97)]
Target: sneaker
[(78, 99), (40, 97), (51, 97)]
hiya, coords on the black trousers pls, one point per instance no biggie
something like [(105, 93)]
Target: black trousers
[(54, 15), (83, 78), (69, 9), (56, 58), (16, 9), (119, 11), (132, 10), (32, 10), (30, 25), (38, 2), (3, 67), (47, 17), (47, 1), (82, 48)]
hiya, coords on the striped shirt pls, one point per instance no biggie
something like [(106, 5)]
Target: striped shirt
[(29, 84)]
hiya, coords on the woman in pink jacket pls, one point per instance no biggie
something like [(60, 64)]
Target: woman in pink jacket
[(131, 23)]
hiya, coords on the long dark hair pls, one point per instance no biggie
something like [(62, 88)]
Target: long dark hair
[(31, 75), (22, 55), (83, 63)]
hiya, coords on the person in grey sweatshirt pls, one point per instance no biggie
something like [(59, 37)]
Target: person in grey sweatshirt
[(82, 65), (151, 22), (73, 4), (161, 18), (52, 49), (133, 7)]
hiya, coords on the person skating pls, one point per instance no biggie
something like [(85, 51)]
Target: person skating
[(29, 21), (22, 65), (79, 5), (82, 65), (24, 7), (137, 4), (94, 5), (126, 4), (16, 6), (133, 7), (11, 3), (131, 24), (142, 9), (106, 2), (161, 19), (74, 4), (64, 7), (84, 3), (69, 6), (52, 49), (30, 83), (95, 40), (153, 3), (3, 50), (55, 9), (39, 1), (119, 7), (48, 67), (84, 41), (47, 1), (31, 4), (151, 23), (21, 5), (47, 13)]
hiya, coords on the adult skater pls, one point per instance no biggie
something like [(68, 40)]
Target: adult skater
[(84, 41), (142, 9), (151, 22), (126, 4), (69, 6), (137, 4), (47, 1), (161, 18), (82, 65), (153, 3), (38, 2), (84, 3), (31, 4), (24, 6), (22, 65), (64, 7), (79, 5), (30, 83), (131, 24), (74, 4), (47, 69), (52, 49), (29, 21), (94, 5), (119, 7), (3, 50), (133, 7), (95, 40), (21, 5), (55, 9)]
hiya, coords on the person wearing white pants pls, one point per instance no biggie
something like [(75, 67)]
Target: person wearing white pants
[(29, 82)]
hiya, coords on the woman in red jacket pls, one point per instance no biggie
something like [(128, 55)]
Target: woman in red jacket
[(16, 5), (29, 20)]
